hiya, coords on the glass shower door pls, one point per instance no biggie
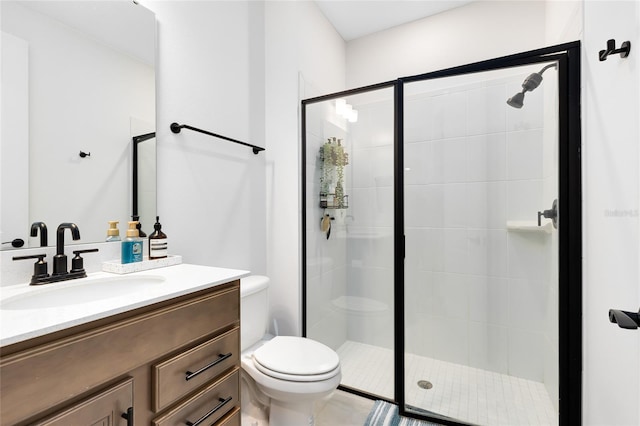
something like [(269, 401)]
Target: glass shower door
[(348, 245), (481, 264)]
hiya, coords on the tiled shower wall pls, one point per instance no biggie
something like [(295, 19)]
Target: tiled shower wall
[(478, 293)]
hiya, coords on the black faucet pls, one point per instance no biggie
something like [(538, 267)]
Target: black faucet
[(60, 259), (43, 232)]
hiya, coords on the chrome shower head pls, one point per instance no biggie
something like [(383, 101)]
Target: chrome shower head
[(528, 85)]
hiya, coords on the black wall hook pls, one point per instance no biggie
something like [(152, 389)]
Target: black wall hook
[(611, 50)]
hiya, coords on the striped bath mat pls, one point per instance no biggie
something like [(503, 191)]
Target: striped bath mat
[(386, 414)]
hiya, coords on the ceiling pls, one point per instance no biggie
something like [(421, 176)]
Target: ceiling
[(357, 18)]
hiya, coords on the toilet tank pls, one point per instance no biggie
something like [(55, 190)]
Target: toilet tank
[(254, 309)]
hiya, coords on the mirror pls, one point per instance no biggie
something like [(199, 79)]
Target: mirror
[(78, 83)]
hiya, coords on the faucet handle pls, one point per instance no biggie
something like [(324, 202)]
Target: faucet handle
[(77, 263), (39, 268)]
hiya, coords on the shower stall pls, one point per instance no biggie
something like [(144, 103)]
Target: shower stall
[(442, 243)]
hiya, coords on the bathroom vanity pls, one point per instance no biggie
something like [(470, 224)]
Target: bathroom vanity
[(164, 354)]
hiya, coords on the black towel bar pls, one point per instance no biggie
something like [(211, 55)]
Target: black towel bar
[(175, 128)]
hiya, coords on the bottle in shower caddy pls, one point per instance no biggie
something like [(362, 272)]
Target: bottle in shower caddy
[(157, 242), (132, 245)]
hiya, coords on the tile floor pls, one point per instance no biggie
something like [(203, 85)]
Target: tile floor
[(338, 409), (343, 409), (465, 393)]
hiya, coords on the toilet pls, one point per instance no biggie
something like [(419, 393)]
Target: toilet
[(284, 375)]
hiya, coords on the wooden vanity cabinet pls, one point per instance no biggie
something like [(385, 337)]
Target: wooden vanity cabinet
[(105, 408), (168, 363)]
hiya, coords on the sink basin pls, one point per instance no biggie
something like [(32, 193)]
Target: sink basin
[(80, 292)]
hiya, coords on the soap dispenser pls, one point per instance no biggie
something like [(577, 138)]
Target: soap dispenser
[(132, 245), (113, 233), (157, 242)]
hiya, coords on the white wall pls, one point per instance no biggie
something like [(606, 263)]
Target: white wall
[(610, 117), (210, 75), (234, 68), (304, 58), (478, 31)]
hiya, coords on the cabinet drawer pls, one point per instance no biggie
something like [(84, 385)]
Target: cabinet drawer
[(233, 418), (208, 405), (104, 408), (183, 373)]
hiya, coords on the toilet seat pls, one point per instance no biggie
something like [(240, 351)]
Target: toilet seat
[(296, 359)]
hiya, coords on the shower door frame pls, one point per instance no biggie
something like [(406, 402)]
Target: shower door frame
[(569, 232)]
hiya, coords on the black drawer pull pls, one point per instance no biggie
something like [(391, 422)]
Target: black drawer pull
[(129, 416), (221, 357), (216, 408)]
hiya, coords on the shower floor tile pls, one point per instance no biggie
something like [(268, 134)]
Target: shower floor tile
[(464, 393)]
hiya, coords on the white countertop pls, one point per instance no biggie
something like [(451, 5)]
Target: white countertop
[(19, 324)]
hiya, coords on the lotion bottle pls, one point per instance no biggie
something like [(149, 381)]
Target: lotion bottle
[(132, 245), (157, 242)]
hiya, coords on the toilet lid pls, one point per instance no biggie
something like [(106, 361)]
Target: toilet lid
[(296, 356)]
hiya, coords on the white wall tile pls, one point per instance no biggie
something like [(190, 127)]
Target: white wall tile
[(424, 206), (419, 294), (455, 250), (488, 299), (487, 252), (529, 256), (419, 337), (416, 163), (361, 206), (486, 157), (488, 347), (486, 110), (383, 206), (486, 205), (374, 127), (524, 200), (551, 370), (455, 160), (424, 249), (416, 240), (526, 354), (436, 161), (450, 339), (372, 251), (448, 119), (528, 305), (524, 155), (361, 170), (417, 119), (455, 211), (450, 295)]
